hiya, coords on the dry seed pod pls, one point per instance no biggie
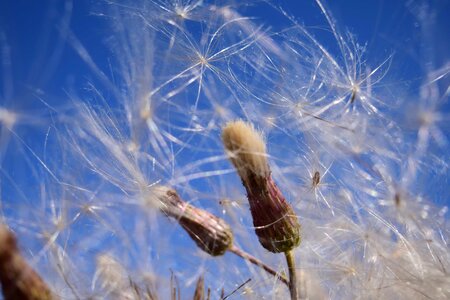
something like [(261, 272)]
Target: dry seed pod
[(276, 224), (18, 280), (210, 233)]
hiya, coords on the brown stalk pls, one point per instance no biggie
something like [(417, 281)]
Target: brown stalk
[(199, 293), (18, 280)]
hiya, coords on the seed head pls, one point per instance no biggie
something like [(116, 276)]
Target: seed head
[(316, 179), (211, 234), (276, 224)]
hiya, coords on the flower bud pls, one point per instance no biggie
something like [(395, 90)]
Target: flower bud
[(276, 223), (211, 234), (18, 280)]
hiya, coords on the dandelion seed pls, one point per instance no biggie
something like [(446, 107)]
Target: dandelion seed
[(316, 179), (355, 90), (397, 199)]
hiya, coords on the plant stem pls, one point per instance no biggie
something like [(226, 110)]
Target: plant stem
[(17, 279), (292, 274), (258, 263)]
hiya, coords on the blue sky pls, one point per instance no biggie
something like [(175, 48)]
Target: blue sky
[(38, 52), (42, 70)]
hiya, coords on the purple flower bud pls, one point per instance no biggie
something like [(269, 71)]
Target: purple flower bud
[(276, 223)]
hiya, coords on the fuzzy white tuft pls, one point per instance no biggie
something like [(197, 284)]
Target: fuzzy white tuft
[(246, 149)]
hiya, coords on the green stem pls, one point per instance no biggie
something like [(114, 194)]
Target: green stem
[(292, 274)]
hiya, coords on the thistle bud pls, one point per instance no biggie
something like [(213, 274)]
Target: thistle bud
[(18, 280), (275, 222), (210, 233)]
